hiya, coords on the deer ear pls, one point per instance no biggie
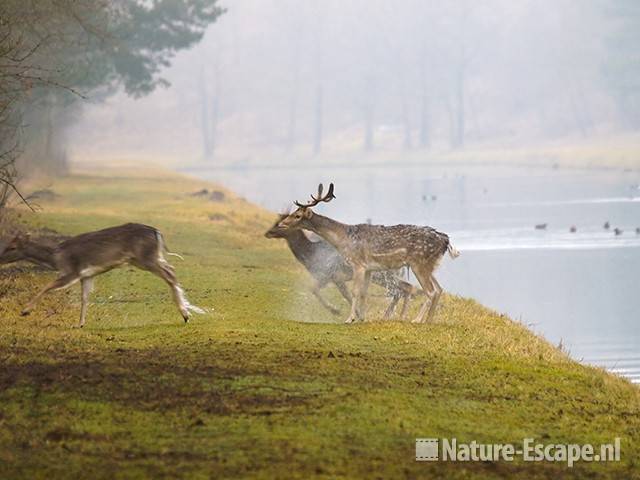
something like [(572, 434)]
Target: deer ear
[(307, 213)]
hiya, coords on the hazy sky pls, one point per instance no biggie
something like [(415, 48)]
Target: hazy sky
[(325, 76)]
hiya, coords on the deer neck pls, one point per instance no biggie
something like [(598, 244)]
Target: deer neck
[(40, 254), (299, 244), (332, 231)]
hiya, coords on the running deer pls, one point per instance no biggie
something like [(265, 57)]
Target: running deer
[(325, 264), (83, 257), (369, 248)]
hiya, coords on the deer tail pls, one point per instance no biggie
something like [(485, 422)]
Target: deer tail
[(453, 253), (163, 246)]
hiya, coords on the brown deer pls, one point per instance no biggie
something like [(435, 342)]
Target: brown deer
[(83, 257), (326, 265), (368, 248)]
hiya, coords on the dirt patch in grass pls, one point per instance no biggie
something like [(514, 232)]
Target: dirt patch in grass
[(143, 380)]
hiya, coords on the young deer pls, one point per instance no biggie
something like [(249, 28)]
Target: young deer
[(325, 264), (368, 248), (83, 257)]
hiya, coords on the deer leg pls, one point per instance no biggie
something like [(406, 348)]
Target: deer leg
[(176, 291), (342, 288), (316, 291), (408, 291), (86, 284), (363, 296), (425, 278), (359, 275), (58, 284), (392, 306), (436, 297), (405, 304), (164, 270)]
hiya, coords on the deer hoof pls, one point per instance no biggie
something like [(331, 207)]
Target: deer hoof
[(349, 320)]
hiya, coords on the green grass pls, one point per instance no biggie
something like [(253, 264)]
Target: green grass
[(267, 384)]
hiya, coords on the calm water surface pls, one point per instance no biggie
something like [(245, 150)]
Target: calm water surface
[(579, 288)]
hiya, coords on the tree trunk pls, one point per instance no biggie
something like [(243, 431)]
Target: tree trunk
[(215, 113), (423, 132), (459, 124), (204, 116), (317, 131), (452, 120), (293, 96), (293, 107), (406, 121), (368, 111), (215, 110), (54, 159), (368, 128), (424, 119)]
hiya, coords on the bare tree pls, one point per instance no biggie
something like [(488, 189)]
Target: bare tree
[(207, 147), (20, 75), (51, 50)]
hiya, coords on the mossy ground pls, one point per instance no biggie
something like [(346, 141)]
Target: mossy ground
[(268, 384)]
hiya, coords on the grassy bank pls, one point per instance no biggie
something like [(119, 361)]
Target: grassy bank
[(267, 384)]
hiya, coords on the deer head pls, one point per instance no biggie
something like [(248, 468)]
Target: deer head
[(275, 231), (14, 249), (301, 216)]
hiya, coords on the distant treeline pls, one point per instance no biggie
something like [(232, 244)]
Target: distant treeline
[(411, 74)]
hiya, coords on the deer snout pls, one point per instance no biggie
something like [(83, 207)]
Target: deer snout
[(275, 232), (283, 225)]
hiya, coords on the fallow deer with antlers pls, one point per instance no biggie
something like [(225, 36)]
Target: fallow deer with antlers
[(83, 257), (368, 248), (326, 265)]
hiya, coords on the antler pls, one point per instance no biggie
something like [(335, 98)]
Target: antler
[(316, 200)]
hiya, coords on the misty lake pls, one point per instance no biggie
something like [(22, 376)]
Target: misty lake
[(578, 288)]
